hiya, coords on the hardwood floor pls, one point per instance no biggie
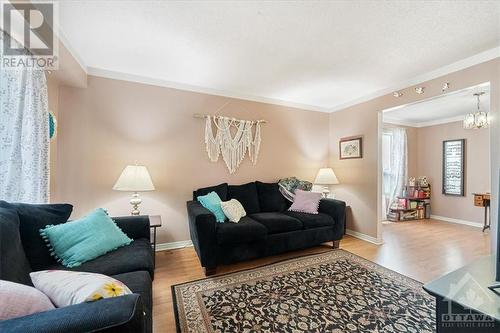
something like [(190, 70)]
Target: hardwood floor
[(422, 250)]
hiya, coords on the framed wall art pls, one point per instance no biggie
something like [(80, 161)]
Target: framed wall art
[(351, 147), (454, 167)]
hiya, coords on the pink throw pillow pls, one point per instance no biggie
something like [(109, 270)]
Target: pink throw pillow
[(18, 300), (306, 202)]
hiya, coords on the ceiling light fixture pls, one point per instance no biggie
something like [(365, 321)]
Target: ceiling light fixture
[(397, 94), (477, 119), (419, 90), (445, 87)]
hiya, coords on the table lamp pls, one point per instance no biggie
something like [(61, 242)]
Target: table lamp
[(326, 177), (134, 178)]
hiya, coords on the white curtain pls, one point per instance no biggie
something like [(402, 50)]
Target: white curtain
[(24, 135), (395, 165)]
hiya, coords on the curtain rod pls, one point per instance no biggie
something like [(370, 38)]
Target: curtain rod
[(199, 115)]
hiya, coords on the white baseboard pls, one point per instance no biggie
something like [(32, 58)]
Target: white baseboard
[(173, 245), (188, 243), (364, 237), (449, 219)]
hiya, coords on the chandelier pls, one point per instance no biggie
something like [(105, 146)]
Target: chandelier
[(478, 119)]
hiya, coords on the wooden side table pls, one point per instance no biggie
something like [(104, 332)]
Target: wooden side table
[(483, 200), (154, 223)]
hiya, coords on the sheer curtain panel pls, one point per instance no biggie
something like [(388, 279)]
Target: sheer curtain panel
[(24, 135), (395, 165)]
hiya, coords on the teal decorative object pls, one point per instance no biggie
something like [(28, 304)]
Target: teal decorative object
[(212, 201), (82, 240), (52, 125)]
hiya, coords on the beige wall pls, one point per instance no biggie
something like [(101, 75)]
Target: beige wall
[(113, 123), (359, 177), (69, 73), (477, 168), (425, 159)]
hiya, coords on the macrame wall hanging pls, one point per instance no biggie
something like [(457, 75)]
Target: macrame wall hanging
[(233, 148)]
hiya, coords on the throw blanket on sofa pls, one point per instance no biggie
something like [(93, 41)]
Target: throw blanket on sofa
[(288, 186)]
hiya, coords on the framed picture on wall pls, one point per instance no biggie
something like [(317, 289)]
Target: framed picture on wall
[(454, 167), (351, 147)]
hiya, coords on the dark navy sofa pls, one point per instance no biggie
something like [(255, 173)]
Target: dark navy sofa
[(22, 250), (268, 229)]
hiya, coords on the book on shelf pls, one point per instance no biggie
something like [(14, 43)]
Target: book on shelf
[(411, 215), (414, 203)]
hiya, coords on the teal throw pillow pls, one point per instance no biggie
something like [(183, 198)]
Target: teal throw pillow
[(75, 242), (212, 201)]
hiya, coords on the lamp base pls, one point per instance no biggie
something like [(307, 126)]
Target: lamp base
[(327, 194), (135, 202)]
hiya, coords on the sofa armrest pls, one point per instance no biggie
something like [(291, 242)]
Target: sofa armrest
[(336, 209), (134, 226), (202, 227), (118, 314)]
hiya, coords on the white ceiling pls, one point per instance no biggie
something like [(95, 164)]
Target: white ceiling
[(314, 54), (443, 109)]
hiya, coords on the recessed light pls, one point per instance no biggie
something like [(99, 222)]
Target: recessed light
[(419, 90), (445, 86), (397, 94)]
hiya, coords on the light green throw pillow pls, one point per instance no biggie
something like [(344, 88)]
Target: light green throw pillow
[(75, 242)]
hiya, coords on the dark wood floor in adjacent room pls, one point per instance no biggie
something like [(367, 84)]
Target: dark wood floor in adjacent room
[(420, 250)]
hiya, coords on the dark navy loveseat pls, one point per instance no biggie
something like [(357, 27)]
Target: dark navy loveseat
[(268, 229), (22, 250)]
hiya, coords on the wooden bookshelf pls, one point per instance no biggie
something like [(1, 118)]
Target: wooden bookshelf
[(413, 204)]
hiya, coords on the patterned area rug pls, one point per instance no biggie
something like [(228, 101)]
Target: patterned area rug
[(335, 292)]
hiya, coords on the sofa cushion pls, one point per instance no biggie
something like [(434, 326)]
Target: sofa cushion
[(212, 202), (14, 265), (137, 256), (220, 189), (233, 210), (277, 222), (305, 202), (140, 283), (18, 300), (65, 288), (246, 194), (310, 221), (32, 218), (270, 197), (247, 230), (85, 239)]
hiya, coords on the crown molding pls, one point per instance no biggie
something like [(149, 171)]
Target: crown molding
[(204, 90), (62, 38), (456, 66), (424, 123), (453, 67)]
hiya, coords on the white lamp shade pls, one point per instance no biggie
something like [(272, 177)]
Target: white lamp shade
[(326, 176), (134, 178)]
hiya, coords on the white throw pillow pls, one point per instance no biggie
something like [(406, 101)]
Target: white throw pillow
[(18, 300), (67, 288), (233, 210)]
